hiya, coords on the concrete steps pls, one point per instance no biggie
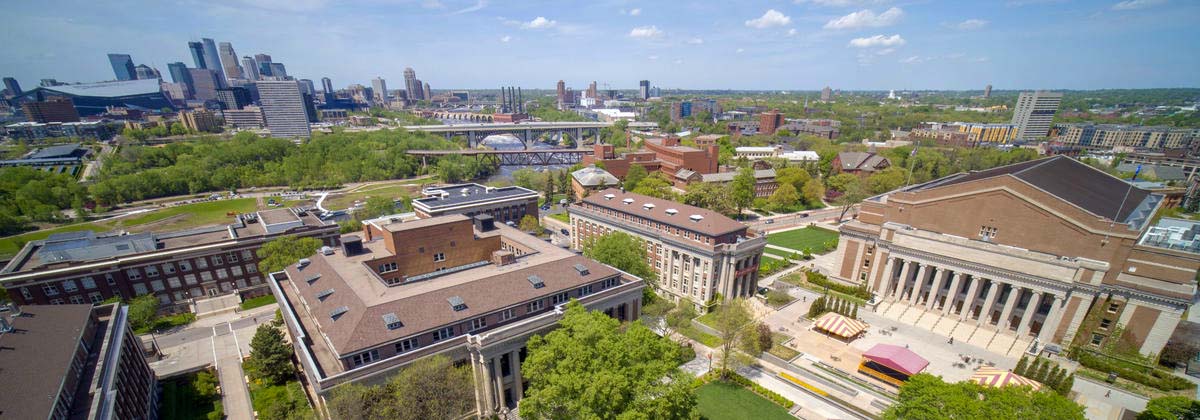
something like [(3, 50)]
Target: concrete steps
[(910, 315), (928, 319), (946, 326), (982, 337), (1019, 346), (1001, 343), (963, 332)]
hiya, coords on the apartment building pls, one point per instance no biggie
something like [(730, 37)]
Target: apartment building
[(1023, 256), (86, 267), (1034, 114), (1108, 136), (467, 288), (697, 254)]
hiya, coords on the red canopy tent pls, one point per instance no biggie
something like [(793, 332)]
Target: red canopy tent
[(892, 364)]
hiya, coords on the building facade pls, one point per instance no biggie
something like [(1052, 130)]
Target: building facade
[(176, 267), (199, 120), (74, 362), (697, 254), (1108, 136), (283, 109), (122, 65), (504, 204), (769, 121), (249, 117), (53, 109), (1034, 114), (960, 256), (468, 289), (859, 163)]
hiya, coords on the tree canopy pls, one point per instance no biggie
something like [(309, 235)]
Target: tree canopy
[(284, 251), (430, 388), (589, 368), (270, 357), (736, 328), (622, 251), (1171, 408), (925, 396)]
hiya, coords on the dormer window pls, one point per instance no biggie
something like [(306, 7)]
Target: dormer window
[(609, 196), (338, 312), (536, 282), (696, 217), (324, 294), (648, 206), (627, 201), (672, 212), (392, 321), (457, 303)]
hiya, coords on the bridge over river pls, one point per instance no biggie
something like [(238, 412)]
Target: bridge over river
[(527, 132), (529, 157)]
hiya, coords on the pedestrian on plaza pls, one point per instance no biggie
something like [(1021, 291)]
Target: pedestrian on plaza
[(951, 340), (1108, 393)]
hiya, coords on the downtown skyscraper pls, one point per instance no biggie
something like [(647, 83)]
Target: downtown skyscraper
[(122, 65), (250, 68), (412, 86), (211, 58), (379, 87), (229, 61)]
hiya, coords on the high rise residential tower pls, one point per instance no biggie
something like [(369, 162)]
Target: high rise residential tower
[(1035, 113), (987, 92), (379, 88), (250, 68), (644, 89), (415, 91), (122, 65), (283, 108), (197, 50)]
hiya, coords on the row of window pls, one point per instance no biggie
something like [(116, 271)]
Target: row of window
[(141, 289), (662, 227)]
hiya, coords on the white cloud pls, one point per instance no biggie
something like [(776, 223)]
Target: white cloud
[(696, 41), (877, 41), (653, 57), (770, 18), (866, 19), (839, 3), (505, 38), (741, 50), (635, 12), (645, 32), (885, 51), (287, 5), (980, 60), (912, 60), (479, 5), (677, 61), (971, 24), (792, 32), (1136, 4), (432, 4), (539, 23)]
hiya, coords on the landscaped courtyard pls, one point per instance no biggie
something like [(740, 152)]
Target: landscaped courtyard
[(719, 401), (816, 240)]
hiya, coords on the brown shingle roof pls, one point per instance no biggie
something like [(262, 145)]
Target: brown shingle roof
[(712, 224)]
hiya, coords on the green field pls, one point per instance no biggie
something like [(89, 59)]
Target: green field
[(721, 401), (813, 238), (562, 217), (393, 191), (255, 302), (181, 400)]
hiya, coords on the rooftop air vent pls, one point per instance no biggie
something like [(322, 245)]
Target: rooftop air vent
[(338, 311), (457, 303), (609, 196), (392, 321), (696, 217), (648, 206), (313, 278), (536, 282), (672, 212), (582, 269), (302, 263), (627, 201), (324, 294), (326, 250)]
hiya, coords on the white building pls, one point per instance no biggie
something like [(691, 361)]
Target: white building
[(1035, 113)]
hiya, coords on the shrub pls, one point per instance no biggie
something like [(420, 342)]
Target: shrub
[(819, 279), (1144, 375), (777, 298)]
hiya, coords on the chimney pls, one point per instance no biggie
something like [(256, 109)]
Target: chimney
[(351, 245), (500, 258), (485, 223)]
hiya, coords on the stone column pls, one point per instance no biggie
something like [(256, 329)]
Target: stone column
[(939, 277), (900, 282), (498, 375), (952, 295), (969, 300), (483, 384), (1046, 335), (1005, 320), (917, 283), (885, 278), (514, 364), (993, 290), (1030, 310)]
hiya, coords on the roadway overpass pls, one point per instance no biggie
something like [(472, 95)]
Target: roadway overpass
[(510, 157), (525, 131)]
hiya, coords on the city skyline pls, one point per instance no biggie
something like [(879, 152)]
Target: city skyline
[(774, 45)]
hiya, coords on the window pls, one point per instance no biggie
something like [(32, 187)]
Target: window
[(25, 293), (236, 270), (364, 358), (157, 285), (251, 268), (1097, 339), (438, 257), (201, 263), (206, 276), (151, 271), (168, 268), (88, 283), (189, 278), (139, 289), (95, 297), (507, 314), (862, 276), (987, 232), (535, 306), (406, 346), (185, 266), (222, 273), (233, 257), (387, 267), (560, 298), (50, 289), (611, 282), (56, 301), (478, 323), (1105, 323), (108, 277), (218, 260), (69, 286), (247, 255), (585, 290), (76, 299), (443, 333), (867, 263), (1113, 307), (133, 274)]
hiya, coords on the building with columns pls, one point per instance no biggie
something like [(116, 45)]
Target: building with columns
[(470, 289), (1023, 256), (696, 253)]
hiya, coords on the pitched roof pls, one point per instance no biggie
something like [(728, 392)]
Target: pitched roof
[(710, 223), (1068, 179), (896, 357), (592, 176), (866, 161)]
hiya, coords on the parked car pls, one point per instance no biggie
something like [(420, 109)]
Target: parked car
[(565, 232)]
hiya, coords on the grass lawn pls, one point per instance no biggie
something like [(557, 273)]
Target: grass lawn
[(813, 238), (10, 245), (779, 350), (181, 400), (263, 300), (198, 214), (776, 252), (704, 338), (393, 191), (718, 401), (168, 322), (562, 217), (263, 397)]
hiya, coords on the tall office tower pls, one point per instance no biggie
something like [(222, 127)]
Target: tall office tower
[(205, 83), (987, 92), (197, 50), (426, 91), (234, 97), (307, 88), (310, 107), (144, 72), (414, 90), (1035, 113), (826, 94), (122, 65), (283, 108), (561, 89), (179, 74), (327, 88), (644, 89), (211, 58), (249, 68), (229, 61), (277, 70), (264, 65), (13, 87), (591, 92), (379, 88), (262, 58)]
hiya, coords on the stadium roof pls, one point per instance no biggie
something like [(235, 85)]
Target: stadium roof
[(108, 89)]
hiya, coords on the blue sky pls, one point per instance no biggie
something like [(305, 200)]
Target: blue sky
[(773, 44)]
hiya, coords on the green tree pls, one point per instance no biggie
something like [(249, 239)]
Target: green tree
[(843, 182), (530, 224), (178, 129), (635, 175), (564, 182), (284, 251), (270, 358), (853, 195), (142, 311), (741, 190), (765, 340), (925, 396), (549, 187), (655, 185), (886, 180), (378, 206), (622, 251), (814, 194), (1021, 366), (1171, 408), (589, 368), (430, 388), (710, 196), (795, 176), (785, 197), (736, 328)]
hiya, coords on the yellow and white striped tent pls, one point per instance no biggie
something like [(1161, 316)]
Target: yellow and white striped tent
[(994, 377), (840, 325)]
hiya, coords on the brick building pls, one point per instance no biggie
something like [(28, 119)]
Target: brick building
[(665, 155), (1038, 252), (199, 120), (53, 109), (591, 178), (177, 267), (505, 204), (468, 289), (769, 121), (696, 253)]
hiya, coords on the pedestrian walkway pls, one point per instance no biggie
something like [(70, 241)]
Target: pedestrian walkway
[(235, 394)]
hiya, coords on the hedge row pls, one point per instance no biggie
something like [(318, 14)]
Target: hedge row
[(820, 280), (1156, 378), (745, 382)]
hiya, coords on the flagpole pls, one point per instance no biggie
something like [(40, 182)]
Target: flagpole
[(911, 163)]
